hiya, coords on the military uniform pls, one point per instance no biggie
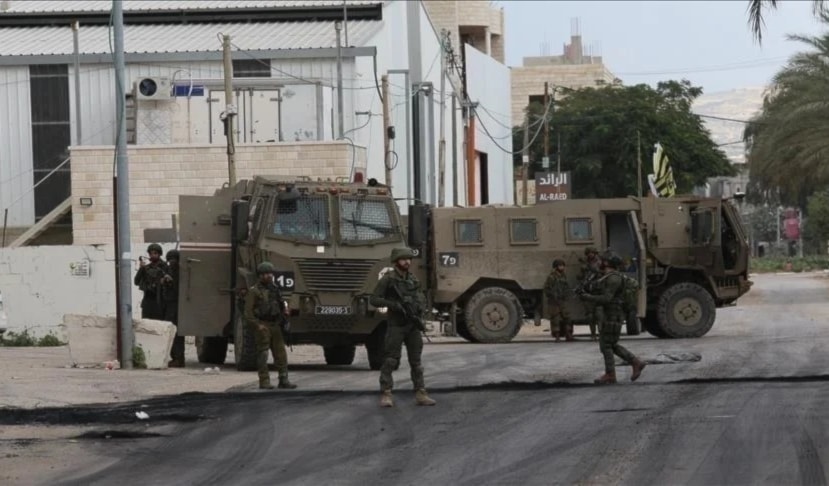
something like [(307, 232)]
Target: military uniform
[(557, 290), (149, 280), (394, 290), (264, 314), (590, 272), (170, 298), (607, 295)]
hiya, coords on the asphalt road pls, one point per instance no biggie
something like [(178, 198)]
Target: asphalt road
[(753, 411)]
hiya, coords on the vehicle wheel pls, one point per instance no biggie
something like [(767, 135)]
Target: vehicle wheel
[(211, 349), (632, 325), (376, 346), (340, 355), (493, 315), (686, 310), (651, 324), (462, 331), (244, 345)]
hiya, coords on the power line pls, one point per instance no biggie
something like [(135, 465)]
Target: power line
[(747, 122), (715, 68), (529, 144)]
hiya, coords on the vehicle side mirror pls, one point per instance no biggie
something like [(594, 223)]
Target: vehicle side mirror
[(239, 220)]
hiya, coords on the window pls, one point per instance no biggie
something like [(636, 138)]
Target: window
[(579, 230), (304, 218), (51, 136), (469, 232), (702, 226), (365, 219), (523, 231), (251, 68)]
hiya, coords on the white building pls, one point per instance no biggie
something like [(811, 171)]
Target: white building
[(285, 59)]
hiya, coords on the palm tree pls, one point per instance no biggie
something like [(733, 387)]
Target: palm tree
[(787, 142), (755, 14)]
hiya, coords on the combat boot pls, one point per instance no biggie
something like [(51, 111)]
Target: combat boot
[(284, 384), (386, 399), (637, 365), (175, 363), (606, 379), (422, 398), (265, 385)]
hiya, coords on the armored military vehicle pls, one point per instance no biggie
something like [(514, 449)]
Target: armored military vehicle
[(486, 266), (329, 242)]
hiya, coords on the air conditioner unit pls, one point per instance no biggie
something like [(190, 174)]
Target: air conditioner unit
[(153, 88)]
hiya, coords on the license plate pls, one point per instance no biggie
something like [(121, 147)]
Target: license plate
[(333, 310)]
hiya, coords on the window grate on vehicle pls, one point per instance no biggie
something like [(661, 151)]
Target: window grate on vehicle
[(332, 275)]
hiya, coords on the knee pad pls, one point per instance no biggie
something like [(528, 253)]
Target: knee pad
[(391, 363)]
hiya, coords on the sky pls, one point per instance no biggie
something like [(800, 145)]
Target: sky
[(706, 42)]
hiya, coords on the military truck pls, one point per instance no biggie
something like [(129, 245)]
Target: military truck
[(329, 242), (486, 266)]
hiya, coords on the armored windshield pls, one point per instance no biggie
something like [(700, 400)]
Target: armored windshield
[(303, 218), (365, 219)]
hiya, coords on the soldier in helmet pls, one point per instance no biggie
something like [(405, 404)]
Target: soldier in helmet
[(607, 294), (394, 290), (557, 291), (590, 272), (265, 313), (149, 279), (170, 294)]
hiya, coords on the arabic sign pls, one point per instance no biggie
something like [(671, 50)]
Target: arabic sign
[(552, 186)]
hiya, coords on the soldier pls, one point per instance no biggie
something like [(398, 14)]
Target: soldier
[(265, 313), (149, 279), (590, 272), (557, 291), (170, 293), (608, 295), (400, 292)]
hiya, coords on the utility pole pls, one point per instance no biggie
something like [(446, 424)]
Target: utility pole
[(384, 81), (525, 159), (638, 164), (124, 257), (442, 144), (546, 119), (77, 67), (340, 130), (230, 112)]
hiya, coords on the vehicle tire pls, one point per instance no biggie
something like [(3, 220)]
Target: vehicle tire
[(462, 331), (633, 327), (244, 345), (340, 355), (686, 310), (376, 346), (211, 349), (651, 324), (493, 315)]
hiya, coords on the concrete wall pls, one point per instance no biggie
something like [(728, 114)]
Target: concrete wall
[(475, 17), (42, 283), (159, 174), (488, 80), (529, 81)]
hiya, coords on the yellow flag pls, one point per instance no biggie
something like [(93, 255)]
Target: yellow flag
[(663, 176)]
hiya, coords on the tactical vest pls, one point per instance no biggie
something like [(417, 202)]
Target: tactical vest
[(269, 308)]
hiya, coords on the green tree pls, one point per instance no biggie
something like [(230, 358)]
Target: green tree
[(786, 142), (598, 132), (816, 226)]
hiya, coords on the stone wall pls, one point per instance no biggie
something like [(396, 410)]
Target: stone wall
[(159, 174)]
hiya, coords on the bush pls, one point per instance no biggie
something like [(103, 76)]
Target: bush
[(139, 360), (24, 339), (779, 264)]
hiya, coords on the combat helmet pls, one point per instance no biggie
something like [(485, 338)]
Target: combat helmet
[(264, 267), (613, 260), (398, 253), (155, 247), (172, 254), (590, 249), (557, 262)]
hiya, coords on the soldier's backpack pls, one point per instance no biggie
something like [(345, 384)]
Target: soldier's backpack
[(630, 293)]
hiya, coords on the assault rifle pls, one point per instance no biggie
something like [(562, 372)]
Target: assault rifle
[(411, 310)]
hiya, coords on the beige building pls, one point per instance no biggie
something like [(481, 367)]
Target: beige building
[(474, 22), (572, 69)]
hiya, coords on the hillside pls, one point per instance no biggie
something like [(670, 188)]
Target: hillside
[(739, 104)]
